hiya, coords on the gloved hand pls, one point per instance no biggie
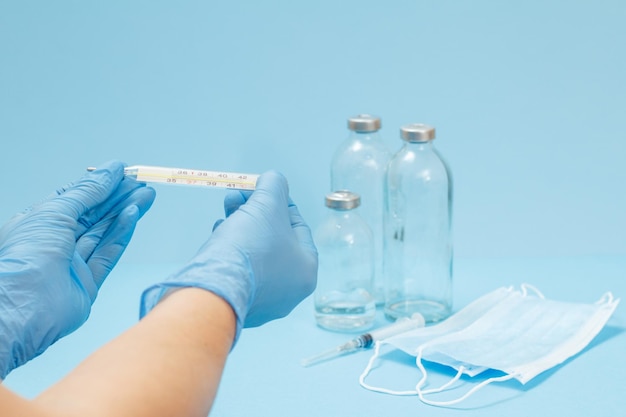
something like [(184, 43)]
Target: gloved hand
[(55, 256), (261, 259)]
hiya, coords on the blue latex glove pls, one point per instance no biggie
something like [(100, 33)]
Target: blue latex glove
[(55, 256), (261, 259)]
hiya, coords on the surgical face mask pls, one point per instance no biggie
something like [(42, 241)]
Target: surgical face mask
[(519, 333)]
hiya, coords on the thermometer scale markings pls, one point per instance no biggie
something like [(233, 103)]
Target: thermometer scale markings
[(193, 177)]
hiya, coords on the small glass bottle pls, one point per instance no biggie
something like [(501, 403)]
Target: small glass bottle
[(343, 296), (418, 229), (359, 164)]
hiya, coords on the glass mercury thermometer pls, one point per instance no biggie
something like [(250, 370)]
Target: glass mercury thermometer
[(194, 177), (366, 340)]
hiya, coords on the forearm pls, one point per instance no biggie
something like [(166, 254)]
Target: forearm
[(170, 363)]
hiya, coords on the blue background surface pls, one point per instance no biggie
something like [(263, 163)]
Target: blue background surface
[(529, 99), (529, 102)]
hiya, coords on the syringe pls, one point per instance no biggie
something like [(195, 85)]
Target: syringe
[(366, 340), (195, 177)]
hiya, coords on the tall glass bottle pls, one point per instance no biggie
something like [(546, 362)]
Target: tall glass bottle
[(418, 229), (359, 164), (343, 296)]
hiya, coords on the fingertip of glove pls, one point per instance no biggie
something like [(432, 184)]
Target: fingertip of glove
[(129, 216), (149, 197), (217, 223), (113, 165), (143, 197), (273, 181), (234, 198), (113, 168), (132, 211), (274, 175)]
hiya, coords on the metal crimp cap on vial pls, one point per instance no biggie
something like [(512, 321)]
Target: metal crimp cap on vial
[(343, 200), (364, 123), (417, 132)]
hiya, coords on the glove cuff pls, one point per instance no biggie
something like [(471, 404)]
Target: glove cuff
[(233, 286)]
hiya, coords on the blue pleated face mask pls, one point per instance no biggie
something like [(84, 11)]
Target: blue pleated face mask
[(519, 333)]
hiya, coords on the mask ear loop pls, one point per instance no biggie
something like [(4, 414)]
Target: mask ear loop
[(525, 287), (421, 393), (422, 369), (368, 369), (607, 298), (418, 388)]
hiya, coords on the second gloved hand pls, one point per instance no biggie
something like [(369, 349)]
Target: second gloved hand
[(55, 256), (261, 259)]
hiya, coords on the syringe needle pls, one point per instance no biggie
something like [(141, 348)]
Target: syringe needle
[(324, 356), (366, 340), (346, 348)]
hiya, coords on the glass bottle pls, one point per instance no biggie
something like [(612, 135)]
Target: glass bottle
[(343, 296), (418, 229), (359, 164)]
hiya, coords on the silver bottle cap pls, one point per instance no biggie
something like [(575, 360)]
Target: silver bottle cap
[(417, 132), (364, 123), (343, 200)]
